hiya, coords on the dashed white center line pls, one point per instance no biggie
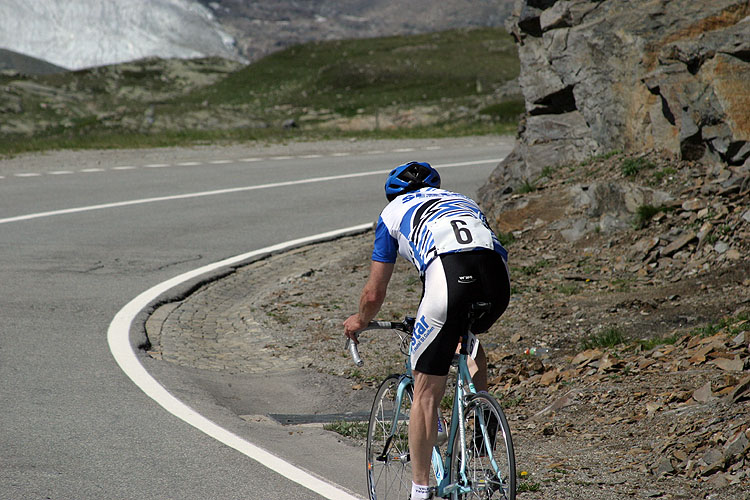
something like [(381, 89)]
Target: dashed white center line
[(221, 162), (216, 192)]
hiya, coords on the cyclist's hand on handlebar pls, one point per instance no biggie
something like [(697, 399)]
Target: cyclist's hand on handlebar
[(352, 325)]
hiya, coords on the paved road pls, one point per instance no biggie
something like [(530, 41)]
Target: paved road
[(72, 425)]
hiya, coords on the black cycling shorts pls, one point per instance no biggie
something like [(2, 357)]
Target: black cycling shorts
[(452, 282)]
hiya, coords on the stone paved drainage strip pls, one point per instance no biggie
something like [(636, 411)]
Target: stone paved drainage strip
[(292, 419)]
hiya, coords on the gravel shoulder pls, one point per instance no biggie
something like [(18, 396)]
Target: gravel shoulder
[(642, 390)]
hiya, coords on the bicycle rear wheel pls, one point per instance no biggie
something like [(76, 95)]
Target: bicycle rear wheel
[(388, 460), (491, 461)]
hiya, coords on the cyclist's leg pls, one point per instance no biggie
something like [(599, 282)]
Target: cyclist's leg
[(428, 392), (431, 353), (478, 369)]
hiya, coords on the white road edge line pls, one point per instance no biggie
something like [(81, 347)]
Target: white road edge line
[(141, 201), (118, 338)]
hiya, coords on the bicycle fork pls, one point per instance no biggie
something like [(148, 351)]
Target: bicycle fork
[(403, 383)]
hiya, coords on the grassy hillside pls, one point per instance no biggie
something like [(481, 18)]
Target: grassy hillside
[(369, 74), (449, 83)]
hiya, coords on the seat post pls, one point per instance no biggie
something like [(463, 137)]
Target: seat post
[(476, 310)]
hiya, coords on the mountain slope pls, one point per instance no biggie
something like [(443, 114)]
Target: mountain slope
[(84, 33), (262, 27), (13, 61)]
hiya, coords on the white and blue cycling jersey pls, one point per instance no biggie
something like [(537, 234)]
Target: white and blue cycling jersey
[(429, 222)]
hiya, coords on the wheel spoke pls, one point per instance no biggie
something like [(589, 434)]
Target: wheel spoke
[(388, 461), (490, 460)]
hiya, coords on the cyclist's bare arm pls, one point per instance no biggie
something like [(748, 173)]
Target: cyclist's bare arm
[(371, 298)]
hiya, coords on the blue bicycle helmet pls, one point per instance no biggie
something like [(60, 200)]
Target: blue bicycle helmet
[(410, 177)]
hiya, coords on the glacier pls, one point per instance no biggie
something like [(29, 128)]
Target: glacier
[(76, 34)]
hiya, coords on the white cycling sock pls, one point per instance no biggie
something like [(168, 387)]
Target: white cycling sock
[(419, 492)]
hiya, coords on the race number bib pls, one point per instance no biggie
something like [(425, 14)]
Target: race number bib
[(459, 233)]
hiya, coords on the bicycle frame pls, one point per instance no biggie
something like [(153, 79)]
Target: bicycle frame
[(446, 485), (464, 386), (442, 467)]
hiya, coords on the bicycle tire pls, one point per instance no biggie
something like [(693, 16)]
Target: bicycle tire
[(389, 470), (486, 481)]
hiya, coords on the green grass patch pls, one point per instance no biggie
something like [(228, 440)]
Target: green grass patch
[(524, 486), (611, 337), (732, 325), (665, 172), (508, 402), (109, 139), (126, 139), (600, 157), (644, 213), (568, 288), (526, 187), (358, 430), (648, 344), (622, 284), (504, 112), (532, 269), (354, 430), (446, 404), (506, 239), (630, 167), (548, 171)]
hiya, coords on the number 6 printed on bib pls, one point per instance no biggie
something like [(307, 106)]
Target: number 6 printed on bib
[(459, 234)]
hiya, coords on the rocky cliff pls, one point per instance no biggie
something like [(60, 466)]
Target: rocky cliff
[(646, 75)]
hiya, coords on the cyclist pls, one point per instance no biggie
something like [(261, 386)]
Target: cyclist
[(460, 260)]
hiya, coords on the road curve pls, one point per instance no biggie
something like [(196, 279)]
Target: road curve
[(73, 424)]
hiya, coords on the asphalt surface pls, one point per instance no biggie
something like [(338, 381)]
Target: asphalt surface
[(72, 424)]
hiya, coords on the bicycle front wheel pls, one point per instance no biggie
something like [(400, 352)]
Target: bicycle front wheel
[(388, 460), (490, 467)]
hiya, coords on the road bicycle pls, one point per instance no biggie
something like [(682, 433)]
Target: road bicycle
[(476, 460)]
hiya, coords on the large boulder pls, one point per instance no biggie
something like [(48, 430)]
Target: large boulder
[(605, 75)]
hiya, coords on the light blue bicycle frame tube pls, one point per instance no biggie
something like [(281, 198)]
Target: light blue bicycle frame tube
[(439, 464)]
